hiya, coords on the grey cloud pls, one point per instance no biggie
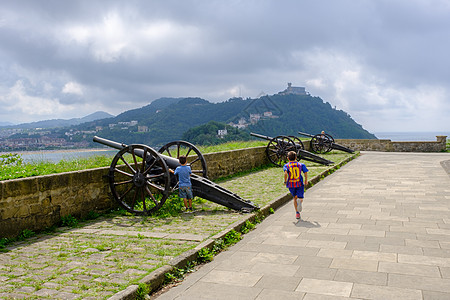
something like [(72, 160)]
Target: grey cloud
[(354, 51)]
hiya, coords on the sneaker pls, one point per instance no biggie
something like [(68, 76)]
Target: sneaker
[(297, 215), (191, 209), (299, 206)]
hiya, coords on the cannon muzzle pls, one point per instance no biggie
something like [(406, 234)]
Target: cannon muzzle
[(171, 162), (264, 137), (109, 143), (306, 134)]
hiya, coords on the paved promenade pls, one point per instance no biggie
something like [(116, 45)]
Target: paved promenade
[(378, 228)]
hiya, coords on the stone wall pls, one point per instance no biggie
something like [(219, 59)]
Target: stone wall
[(222, 164), (389, 146), (36, 203)]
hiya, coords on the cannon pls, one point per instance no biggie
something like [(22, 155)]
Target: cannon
[(323, 143), (140, 180), (279, 146)]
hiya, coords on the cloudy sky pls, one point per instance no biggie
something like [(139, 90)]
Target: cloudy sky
[(385, 62)]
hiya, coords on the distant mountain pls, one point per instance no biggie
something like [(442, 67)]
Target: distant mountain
[(5, 124), (166, 119), (62, 122)]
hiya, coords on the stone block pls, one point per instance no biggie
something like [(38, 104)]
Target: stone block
[(23, 186)]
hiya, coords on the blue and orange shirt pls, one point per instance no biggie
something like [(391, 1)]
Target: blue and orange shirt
[(294, 170)]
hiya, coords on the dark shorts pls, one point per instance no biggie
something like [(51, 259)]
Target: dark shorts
[(297, 191), (185, 192)]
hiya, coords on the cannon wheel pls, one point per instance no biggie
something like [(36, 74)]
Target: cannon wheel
[(278, 148), (298, 141), (321, 143), (196, 160), (142, 186), (330, 137)]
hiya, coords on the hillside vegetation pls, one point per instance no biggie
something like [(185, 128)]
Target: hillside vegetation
[(169, 118)]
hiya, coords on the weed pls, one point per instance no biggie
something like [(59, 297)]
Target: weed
[(175, 275), (247, 227), (103, 247), (26, 233), (232, 237), (11, 159), (205, 255), (271, 211), (219, 244), (92, 215), (4, 242), (69, 221), (142, 290), (171, 208)]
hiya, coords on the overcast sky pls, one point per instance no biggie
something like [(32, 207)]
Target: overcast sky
[(385, 62)]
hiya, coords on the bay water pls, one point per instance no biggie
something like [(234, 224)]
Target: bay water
[(411, 136)]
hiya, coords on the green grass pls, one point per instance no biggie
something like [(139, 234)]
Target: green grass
[(19, 169), (232, 146), (12, 165)]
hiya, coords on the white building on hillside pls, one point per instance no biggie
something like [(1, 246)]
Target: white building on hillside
[(296, 90)]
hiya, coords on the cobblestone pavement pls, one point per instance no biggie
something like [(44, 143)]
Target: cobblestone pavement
[(379, 228), (104, 256)]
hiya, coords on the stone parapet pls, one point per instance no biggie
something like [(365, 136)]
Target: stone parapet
[(390, 146)]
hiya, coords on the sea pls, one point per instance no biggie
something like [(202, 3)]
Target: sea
[(411, 136), (58, 155)]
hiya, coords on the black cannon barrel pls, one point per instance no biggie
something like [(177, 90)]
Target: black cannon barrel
[(264, 137), (171, 162), (305, 134), (342, 148)]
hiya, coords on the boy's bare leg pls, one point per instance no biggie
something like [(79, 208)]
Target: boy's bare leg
[(190, 203), (185, 203), (299, 206), (295, 203)]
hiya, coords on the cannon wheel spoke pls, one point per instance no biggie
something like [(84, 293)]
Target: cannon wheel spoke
[(278, 148), (298, 142), (147, 187), (195, 158), (298, 146), (329, 137), (320, 143)]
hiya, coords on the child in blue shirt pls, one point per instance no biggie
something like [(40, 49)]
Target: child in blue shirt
[(293, 180), (184, 182)]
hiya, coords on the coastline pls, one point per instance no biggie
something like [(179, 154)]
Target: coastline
[(32, 152)]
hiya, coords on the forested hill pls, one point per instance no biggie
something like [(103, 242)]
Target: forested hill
[(311, 115), (167, 119)]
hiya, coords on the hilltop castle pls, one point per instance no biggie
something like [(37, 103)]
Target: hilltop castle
[(296, 90)]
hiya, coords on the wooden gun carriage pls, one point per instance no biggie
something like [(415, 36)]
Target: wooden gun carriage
[(144, 184), (323, 143), (279, 146)]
